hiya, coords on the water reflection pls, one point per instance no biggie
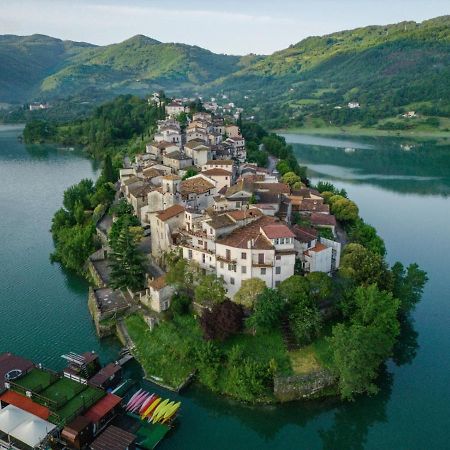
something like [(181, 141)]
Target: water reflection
[(424, 168)]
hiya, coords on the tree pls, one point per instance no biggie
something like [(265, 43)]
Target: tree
[(80, 192), (305, 323), (223, 320), (291, 179), (108, 173), (126, 262), (267, 312), (320, 286), (210, 288), (364, 267), (249, 291), (190, 172), (180, 304), (344, 209), (362, 345), (408, 285), (294, 290), (366, 235), (121, 208)]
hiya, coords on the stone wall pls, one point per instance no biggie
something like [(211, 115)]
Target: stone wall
[(298, 387)]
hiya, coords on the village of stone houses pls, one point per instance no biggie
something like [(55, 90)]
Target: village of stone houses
[(194, 193)]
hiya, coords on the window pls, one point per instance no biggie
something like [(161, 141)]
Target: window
[(244, 269), (263, 271), (261, 258), (231, 280), (190, 254), (221, 264), (244, 255), (165, 305), (228, 252), (278, 270), (278, 257), (203, 258), (277, 283), (200, 242)]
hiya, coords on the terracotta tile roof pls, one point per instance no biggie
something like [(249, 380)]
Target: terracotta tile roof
[(279, 188), (176, 155), (221, 221), (196, 143), (171, 177), (150, 172), (274, 231), (195, 186), (304, 234), (245, 214), (158, 283), (314, 205), (170, 212), (223, 162), (217, 171), (242, 185), (239, 238), (318, 247), (323, 219)]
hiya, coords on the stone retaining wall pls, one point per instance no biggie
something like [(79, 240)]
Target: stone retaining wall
[(298, 387)]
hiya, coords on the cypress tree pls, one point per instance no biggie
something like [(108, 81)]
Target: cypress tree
[(108, 170), (126, 262)]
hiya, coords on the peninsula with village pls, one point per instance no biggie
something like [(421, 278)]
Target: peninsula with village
[(214, 260)]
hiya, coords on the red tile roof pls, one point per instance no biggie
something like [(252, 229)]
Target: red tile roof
[(170, 212), (323, 219), (275, 231), (217, 171), (304, 234), (245, 214), (239, 238), (158, 283), (102, 407), (318, 247)]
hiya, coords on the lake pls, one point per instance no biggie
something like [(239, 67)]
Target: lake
[(401, 192)]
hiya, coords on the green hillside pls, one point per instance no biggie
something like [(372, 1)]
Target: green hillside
[(43, 67), (384, 68), (27, 60)]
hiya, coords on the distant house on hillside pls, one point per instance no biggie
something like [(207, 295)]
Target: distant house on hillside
[(354, 105)]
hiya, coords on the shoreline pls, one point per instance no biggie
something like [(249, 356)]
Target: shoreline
[(356, 131)]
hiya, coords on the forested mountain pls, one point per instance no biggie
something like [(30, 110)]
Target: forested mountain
[(383, 68), (386, 69), (40, 67), (25, 61)]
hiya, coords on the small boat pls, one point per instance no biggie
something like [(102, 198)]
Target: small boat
[(170, 412), (146, 404), (136, 399), (139, 401), (150, 409), (133, 397), (159, 409), (160, 413), (123, 388)]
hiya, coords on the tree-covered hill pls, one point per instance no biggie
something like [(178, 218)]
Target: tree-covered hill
[(40, 67), (384, 68), (27, 60)]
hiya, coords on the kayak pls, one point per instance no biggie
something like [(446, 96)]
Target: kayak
[(171, 412), (151, 407), (136, 400), (133, 397), (158, 409), (139, 401), (146, 404), (160, 413)]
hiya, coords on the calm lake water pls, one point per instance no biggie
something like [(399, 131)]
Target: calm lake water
[(403, 193)]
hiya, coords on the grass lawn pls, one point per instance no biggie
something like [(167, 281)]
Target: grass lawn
[(165, 352), (263, 348)]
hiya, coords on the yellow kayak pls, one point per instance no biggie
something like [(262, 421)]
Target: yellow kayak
[(170, 412), (151, 408), (158, 409), (160, 413)]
